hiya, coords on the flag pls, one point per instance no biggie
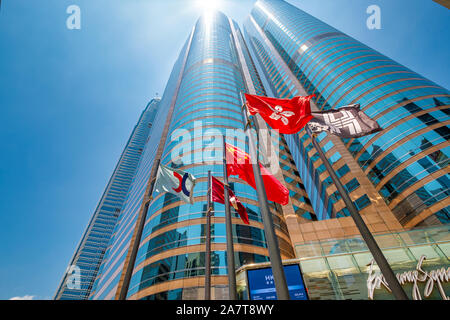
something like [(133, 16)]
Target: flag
[(346, 122), (284, 115), (238, 163), (217, 195), (175, 181)]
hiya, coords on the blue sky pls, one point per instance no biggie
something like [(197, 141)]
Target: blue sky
[(70, 98)]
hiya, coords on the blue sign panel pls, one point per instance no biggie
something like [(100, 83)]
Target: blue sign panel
[(262, 286)]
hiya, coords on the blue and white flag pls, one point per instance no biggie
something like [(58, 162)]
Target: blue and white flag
[(175, 181)]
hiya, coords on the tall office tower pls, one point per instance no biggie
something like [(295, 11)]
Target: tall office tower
[(398, 178), (286, 165), (93, 245), (171, 258), (106, 285), (202, 102)]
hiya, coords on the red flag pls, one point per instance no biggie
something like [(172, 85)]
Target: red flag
[(284, 115), (238, 163), (217, 195)]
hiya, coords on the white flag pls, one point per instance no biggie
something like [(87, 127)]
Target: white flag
[(176, 182)]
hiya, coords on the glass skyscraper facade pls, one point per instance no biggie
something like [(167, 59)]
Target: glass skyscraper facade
[(397, 178), (113, 265), (171, 258), (406, 163), (94, 243)]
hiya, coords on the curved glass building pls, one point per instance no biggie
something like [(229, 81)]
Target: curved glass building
[(115, 261), (406, 163), (397, 178), (170, 263)]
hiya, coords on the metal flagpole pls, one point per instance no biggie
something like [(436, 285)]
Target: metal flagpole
[(208, 242), (269, 231), (229, 231), (377, 254)]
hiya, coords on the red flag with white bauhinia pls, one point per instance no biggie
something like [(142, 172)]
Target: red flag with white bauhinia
[(284, 115), (217, 195), (289, 116), (239, 163)]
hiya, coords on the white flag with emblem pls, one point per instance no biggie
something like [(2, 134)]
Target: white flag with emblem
[(346, 122), (176, 182)]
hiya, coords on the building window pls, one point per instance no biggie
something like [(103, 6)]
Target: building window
[(327, 146), (352, 185), (321, 168), (362, 202), (335, 157), (342, 171)]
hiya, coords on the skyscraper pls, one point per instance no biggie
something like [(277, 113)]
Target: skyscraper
[(116, 259), (399, 175), (203, 102), (396, 178), (94, 242)]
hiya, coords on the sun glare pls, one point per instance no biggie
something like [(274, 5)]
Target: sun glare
[(209, 5)]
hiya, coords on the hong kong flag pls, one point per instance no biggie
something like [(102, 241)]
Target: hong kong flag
[(239, 163), (217, 195), (284, 115)]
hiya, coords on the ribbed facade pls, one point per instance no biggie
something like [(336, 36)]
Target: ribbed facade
[(406, 163), (171, 259), (93, 245), (398, 178), (112, 268), (299, 198)]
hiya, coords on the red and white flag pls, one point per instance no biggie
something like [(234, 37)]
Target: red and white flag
[(284, 115), (217, 195)]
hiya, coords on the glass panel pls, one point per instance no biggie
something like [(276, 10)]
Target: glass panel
[(388, 241), (313, 265), (415, 237), (356, 244), (363, 259), (341, 262), (428, 251), (439, 234), (396, 256), (334, 247), (445, 247), (308, 250)]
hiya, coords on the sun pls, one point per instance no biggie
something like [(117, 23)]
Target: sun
[(209, 5)]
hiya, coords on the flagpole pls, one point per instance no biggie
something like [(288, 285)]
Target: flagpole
[(272, 243), (229, 231), (375, 250), (208, 242)]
